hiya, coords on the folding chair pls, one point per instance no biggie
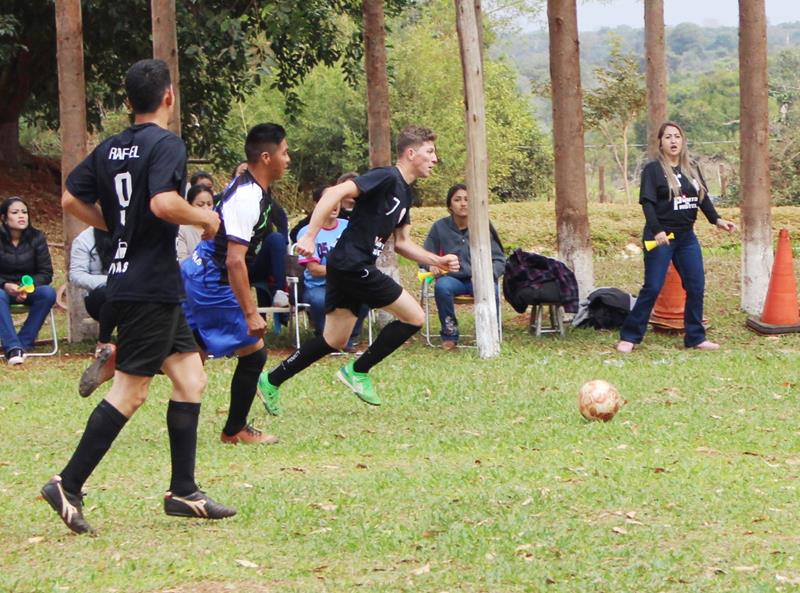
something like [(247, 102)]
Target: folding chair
[(19, 309), (294, 275), (426, 294)]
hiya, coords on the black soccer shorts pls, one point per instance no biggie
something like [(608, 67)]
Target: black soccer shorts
[(147, 333), (351, 289)]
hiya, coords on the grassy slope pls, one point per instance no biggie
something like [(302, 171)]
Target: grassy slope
[(474, 476)]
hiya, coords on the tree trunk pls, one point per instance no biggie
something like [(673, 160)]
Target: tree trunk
[(601, 183), (656, 72), (757, 254), (9, 141), (165, 47), (625, 179), (572, 220), (380, 150), (480, 244), (72, 113)]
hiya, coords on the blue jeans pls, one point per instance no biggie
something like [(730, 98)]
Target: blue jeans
[(315, 296), (684, 251), (39, 303), (446, 289), (269, 268)]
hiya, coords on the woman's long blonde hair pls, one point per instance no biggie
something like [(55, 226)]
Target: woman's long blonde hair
[(687, 165)]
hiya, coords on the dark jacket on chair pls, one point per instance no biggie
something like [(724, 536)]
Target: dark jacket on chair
[(31, 257), (531, 279)]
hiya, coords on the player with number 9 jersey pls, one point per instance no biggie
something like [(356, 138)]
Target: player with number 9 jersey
[(123, 173)]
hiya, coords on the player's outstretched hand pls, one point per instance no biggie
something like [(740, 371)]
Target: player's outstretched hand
[(306, 246), (449, 263), (726, 225), (211, 226), (256, 326)]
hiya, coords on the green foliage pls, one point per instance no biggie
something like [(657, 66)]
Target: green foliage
[(328, 135), (225, 46), (428, 90), (614, 105), (784, 79)]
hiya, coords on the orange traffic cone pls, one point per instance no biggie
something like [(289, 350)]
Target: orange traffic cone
[(780, 314), (669, 307)]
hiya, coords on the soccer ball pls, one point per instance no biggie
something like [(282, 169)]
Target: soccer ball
[(598, 400)]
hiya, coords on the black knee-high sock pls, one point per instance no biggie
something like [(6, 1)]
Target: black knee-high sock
[(182, 427), (243, 389), (390, 339), (104, 424), (310, 352)]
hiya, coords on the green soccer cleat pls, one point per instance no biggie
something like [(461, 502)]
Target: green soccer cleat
[(269, 395), (360, 383)]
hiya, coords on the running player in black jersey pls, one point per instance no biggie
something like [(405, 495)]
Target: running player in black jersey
[(130, 185), (382, 207), (219, 304)]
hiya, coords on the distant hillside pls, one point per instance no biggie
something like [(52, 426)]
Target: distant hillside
[(691, 49)]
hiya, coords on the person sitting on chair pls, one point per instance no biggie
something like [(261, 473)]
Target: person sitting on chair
[(199, 196), (451, 235), (90, 256), (316, 271), (23, 252)]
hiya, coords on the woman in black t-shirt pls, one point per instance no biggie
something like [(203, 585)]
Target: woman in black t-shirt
[(672, 191)]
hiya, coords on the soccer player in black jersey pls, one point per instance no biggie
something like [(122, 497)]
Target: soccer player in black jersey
[(219, 304), (130, 185), (383, 201)]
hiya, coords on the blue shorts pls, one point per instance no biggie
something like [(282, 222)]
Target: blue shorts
[(212, 310)]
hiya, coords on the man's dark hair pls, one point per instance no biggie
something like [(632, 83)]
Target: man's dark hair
[(198, 175), (262, 138), (146, 83), (413, 137)]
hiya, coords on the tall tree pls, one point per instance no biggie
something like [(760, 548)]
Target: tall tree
[(380, 150), (469, 35), (615, 104), (572, 219), (757, 254), (165, 47), (656, 71), (72, 106)]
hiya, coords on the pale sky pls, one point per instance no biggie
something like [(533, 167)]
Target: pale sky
[(595, 14)]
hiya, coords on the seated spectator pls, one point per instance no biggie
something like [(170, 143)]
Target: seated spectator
[(316, 271), (268, 271), (344, 213), (91, 254), (23, 252), (199, 196), (348, 203), (201, 177), (451, 235), (315, 196)]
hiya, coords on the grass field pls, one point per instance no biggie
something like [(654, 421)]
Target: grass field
[(474, 476)]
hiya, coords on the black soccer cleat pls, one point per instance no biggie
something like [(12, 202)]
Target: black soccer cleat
[(68, 506), (197, 504)]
